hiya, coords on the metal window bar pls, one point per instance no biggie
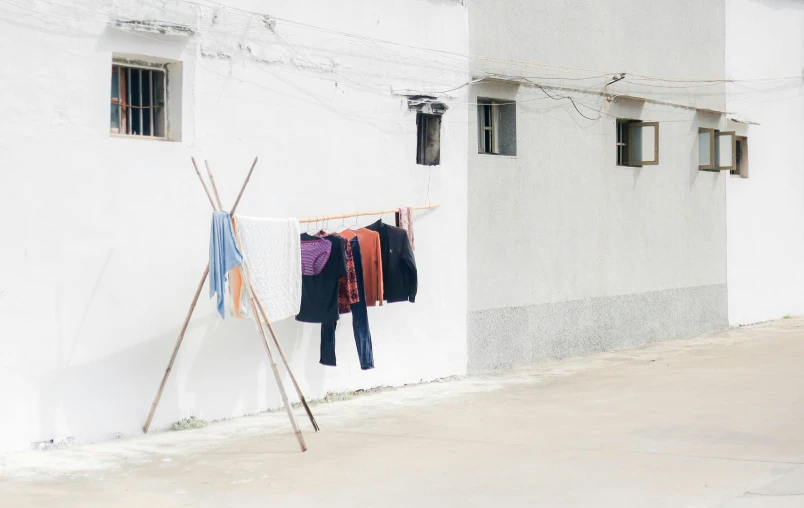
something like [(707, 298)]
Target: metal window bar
[(142, 131), (151, 102), (128, 117), (148, 112)]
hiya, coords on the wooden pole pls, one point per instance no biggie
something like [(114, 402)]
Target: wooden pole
[(209, 196), (360, 214), (193, 304), (258, 321), (214, 187), (175, 351), (240, 194), (287, 366)]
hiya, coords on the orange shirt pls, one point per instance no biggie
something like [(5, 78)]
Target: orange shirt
[(235, 282), (372, 263)]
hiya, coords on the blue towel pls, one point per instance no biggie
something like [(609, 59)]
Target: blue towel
[(223, 255)]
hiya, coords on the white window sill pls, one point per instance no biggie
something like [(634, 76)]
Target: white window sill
[(497, 155), (134, 136)]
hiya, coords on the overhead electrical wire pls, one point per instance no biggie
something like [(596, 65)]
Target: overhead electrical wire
[(633, 79), (572, 70)]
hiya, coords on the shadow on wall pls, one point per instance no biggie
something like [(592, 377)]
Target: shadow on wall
[(117, 40), (701, 119), (221, 366)]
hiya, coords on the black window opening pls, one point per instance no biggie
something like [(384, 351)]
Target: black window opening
[(138, 102), (487, 126), (740, 157), (622, 142), (428, 139)]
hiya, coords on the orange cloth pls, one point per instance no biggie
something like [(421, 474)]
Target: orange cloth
[(372, 263), (235, 283)]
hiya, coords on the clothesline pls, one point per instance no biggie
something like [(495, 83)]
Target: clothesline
[(360, 214)]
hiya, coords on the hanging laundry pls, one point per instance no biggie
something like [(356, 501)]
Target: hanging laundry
[(319, 296), (400, 277), (273, 258), (360, 325), (404, 220), (223, 256), (347, 285), (371, 254), (235, 285), (314, 255)]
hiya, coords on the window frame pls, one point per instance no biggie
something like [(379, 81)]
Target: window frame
[(124, 102), (423, 137), (718, 136), (489, 112), (634, 125), (625, 135), (712, 133)]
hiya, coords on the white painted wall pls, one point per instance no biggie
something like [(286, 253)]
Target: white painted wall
[(764, 38), (586, 42), (579, 226), (569, 253), (106, 238), (592, 228)]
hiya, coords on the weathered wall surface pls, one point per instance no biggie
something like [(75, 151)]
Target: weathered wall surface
[(764, 39), (109, 235), (569, 253)]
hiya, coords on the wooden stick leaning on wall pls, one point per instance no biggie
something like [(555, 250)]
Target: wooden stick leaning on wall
[(212, 184), (193, 304), (287, 367), (262, 313), (244, 274), (252, 299)]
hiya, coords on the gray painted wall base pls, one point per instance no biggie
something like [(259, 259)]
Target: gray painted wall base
[(512, 336)]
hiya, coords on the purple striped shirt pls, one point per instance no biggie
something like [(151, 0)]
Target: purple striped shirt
[(314, 255)]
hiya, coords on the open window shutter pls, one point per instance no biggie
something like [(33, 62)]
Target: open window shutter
[(643, 143), (726, 150), (421, 138), (496, 122), (706, 148)]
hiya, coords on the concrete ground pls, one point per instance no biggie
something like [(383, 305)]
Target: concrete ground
[(716, 421)]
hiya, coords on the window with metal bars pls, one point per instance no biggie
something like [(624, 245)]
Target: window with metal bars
[(138, 101)]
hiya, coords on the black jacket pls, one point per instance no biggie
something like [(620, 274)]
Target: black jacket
[(399, 276)]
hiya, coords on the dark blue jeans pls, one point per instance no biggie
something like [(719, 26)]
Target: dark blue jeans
[(360, 324)]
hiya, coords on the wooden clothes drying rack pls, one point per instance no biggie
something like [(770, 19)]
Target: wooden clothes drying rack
[(261, 319)]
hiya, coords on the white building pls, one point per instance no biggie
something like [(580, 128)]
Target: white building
[(574, 249), (110, 232), (765, 39), (558, 242)]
